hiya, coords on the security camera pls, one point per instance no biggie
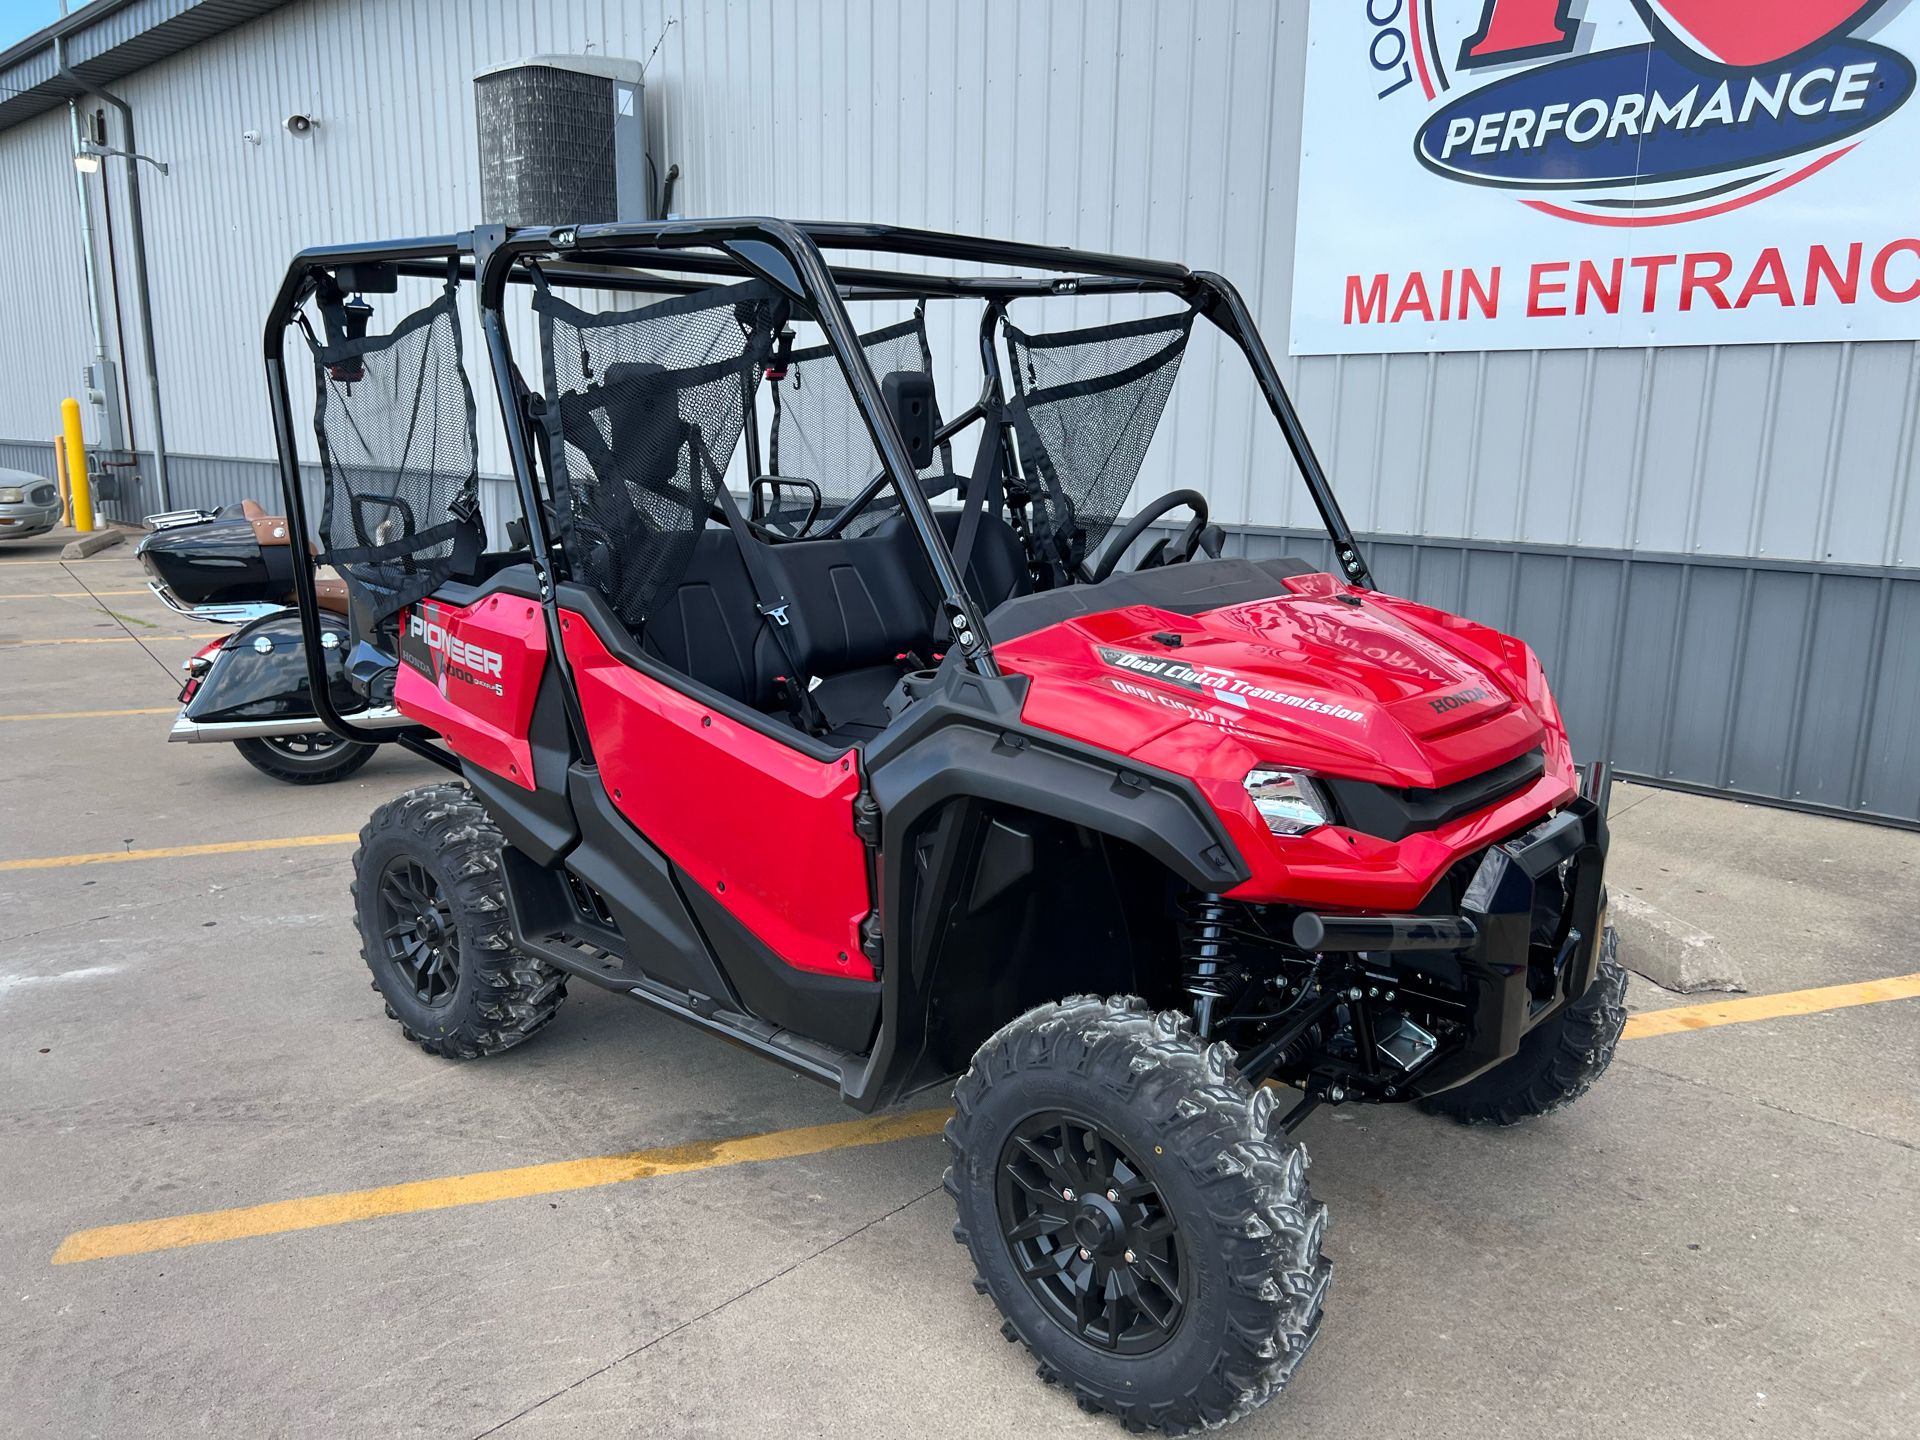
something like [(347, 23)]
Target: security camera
[(300, 124)]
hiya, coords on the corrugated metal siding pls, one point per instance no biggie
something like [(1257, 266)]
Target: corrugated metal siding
[(44, 340), (1168, 129), (1165, 129)]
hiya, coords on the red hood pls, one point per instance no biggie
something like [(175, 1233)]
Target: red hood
[(1340, 681), (1330, 679)]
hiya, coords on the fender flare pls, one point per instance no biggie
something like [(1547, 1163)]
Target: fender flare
[(965, 755)]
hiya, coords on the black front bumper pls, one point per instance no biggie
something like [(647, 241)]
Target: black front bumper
[(1524, 944), (1517, 979)]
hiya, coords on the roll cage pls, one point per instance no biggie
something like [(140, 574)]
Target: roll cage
[(688, 256)]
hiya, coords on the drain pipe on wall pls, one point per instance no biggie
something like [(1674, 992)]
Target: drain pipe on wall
[(143, 295), (86, 236)]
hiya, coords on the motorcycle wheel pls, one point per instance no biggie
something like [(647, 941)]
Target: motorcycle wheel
[(316, 759)]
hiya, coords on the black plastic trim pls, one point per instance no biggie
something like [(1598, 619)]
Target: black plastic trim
[(1391, 814), (636, 881), (1187, 589), (964, 740), (833, 1009)]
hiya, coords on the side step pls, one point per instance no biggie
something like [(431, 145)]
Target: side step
[(809, 1057), (592, 957)]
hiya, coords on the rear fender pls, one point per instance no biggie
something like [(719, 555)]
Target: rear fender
[(261, 673)]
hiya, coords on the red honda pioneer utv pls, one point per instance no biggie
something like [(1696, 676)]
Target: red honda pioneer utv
[(892, 773)]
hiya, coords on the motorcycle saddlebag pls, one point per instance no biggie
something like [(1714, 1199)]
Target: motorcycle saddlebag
[(261, 673)]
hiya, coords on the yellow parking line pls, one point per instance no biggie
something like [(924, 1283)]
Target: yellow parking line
[(73, 594), (113, 639), (1770, 1007), (92, 714), (144, 1236), (313, 1212), (176, 852)]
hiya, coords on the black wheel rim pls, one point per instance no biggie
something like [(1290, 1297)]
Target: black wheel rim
[(319, 745), (417, 932), (1090, 1235)]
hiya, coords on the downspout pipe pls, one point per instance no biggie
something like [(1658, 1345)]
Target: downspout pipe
[(143, 293), (86, 235)]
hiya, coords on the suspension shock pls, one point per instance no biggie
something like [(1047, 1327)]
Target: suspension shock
[(1205, 954)]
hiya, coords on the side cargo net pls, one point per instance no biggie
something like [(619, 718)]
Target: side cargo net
[(398, 459), (1086, 405), (642, 410), (819, 435)]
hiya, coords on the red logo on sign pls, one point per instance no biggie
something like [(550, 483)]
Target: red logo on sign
[(1748, 33)]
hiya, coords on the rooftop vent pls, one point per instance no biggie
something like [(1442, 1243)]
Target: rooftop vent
[(562, 140)]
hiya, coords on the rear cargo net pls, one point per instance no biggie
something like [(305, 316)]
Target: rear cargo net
[(819, 435), (643, 409), (398, 459), (1086, 404)]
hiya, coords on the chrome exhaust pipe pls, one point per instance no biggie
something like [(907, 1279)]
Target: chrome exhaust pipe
[(213, 732)]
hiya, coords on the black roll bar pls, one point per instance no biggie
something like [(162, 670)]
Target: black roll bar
[(781, 254), (1220, 296), (788, 256)]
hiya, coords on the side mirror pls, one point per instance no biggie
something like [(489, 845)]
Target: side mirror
[(909, 396)]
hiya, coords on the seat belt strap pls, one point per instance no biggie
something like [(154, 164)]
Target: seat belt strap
[(772, 605), (976, 501)]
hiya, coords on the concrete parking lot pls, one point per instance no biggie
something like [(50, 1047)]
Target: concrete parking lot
[(1722, 1240)]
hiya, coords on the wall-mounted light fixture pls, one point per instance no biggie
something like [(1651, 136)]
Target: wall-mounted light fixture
[(87, 159)]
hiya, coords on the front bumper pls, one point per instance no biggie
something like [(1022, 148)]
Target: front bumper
[(21, 521), (1524, 945)]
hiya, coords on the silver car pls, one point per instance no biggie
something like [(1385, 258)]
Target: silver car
[(29, 504)]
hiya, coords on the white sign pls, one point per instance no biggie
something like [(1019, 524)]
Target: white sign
[(1530, 174)]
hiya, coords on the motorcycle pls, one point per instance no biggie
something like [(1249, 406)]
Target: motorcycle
[(234, 566)]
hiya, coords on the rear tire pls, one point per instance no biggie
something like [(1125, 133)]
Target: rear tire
[(431, 908), (1180, 1285), (316, 759), (1557, 1062)]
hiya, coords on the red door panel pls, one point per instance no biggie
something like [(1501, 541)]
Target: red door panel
[(764, 829), (472, 673)]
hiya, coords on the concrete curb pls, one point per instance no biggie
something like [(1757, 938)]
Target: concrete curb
[(92, 543), (1668, 951)]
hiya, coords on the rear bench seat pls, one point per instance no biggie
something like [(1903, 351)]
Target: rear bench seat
[(852, 610), (856, 607)]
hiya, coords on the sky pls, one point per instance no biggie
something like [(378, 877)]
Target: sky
[(20, 18)]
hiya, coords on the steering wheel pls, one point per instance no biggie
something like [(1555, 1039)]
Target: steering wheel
[(1180, 550)]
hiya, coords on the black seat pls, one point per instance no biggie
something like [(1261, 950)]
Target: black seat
[(996, 571), (856, 612), (710, 630)]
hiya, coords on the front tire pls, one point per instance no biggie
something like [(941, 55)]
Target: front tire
[(316, 759), (431, 907), (1557, 1062), (1180, 1282)]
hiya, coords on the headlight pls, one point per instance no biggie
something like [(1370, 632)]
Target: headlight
[(1288, 800), (12, 495)]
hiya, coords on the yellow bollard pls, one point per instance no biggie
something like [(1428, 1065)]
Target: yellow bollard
[(77, 465)]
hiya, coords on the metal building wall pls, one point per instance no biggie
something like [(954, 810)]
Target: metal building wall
[(1715, 549)]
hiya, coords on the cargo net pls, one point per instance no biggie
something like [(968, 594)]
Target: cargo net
[(1085, 408), (819, 435), (398, 460), (643, 409)]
